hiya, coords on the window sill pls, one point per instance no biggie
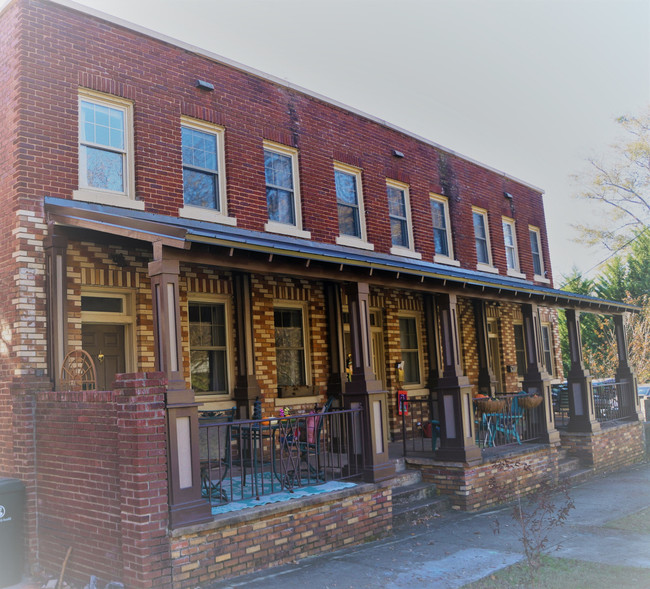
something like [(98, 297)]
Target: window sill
[(201, 214), (487, 268), (515, 274), (406, 253), (541, 279), (113, 199), (282, 229), (350, 241), (438, 259)]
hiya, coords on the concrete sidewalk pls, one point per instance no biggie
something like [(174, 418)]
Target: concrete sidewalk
[(456, 548)]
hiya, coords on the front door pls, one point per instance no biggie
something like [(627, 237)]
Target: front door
[(105, 344)]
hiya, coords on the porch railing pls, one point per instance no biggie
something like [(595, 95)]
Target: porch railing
[(613, 400), (247, 460), (507, 419)]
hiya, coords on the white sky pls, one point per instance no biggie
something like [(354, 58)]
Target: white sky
[(530, 87)]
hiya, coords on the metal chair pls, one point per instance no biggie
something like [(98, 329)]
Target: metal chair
[(311, 444), (214, 451)]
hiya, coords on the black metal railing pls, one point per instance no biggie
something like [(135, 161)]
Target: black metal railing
[(419, 430), (613, 400), (244, 460), (508, 419)]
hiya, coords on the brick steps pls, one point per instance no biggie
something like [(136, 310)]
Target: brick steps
[(571, 469), (415, 500)]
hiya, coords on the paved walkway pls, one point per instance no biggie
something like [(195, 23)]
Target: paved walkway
[(448, 551)]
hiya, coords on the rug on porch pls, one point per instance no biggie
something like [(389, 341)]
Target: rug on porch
[(271, 492)]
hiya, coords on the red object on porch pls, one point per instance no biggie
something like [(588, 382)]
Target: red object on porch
[(402, 403)]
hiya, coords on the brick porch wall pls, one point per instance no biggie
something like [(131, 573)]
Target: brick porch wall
[(612, 448), (469, 489)]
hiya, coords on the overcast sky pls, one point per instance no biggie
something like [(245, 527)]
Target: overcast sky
[(530, 87)]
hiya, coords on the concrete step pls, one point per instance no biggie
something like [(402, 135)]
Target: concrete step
[(577, 475), (567, 465), (407, 494), (415, 500), (405, 478)]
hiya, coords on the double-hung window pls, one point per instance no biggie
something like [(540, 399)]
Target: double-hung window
[(290, 346), (520, 349), (547, 348), (204, 186), (536, 251), (105, 150), (410, 350), (209, 347), (444, 252), (482, 240), (349, 199), (399, 212), (510, 245), (282, 190)]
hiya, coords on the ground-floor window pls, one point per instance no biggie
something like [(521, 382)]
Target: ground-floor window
[(520, 349), (290, 352), (409, 347), (208, 348), (547, 348)]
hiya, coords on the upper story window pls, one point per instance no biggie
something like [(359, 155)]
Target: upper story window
[(105, 150), (510, 244), (349, 198), (204, 186), (442, 230), (536, 250), (482, 240), (399, 212), (282, 190)]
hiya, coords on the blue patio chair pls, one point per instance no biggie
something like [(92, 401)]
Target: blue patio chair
[(214, 452), (508, 422)]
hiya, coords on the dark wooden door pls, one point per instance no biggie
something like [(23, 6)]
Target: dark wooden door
[(105, 343)]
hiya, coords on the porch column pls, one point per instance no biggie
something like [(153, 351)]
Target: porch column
[(457, 434), (536, 379), (625, 373), (487, 383), (186, 506), (55, 260), (582, 414), (364, 390), (334, 306), (433, 352), (247, 389)]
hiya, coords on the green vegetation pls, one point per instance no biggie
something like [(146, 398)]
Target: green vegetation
[(560, 573)]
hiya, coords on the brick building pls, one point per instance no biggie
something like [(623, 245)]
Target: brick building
[(166, 210)]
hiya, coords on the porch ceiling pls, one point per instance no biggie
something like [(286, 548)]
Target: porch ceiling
[(182, 233)]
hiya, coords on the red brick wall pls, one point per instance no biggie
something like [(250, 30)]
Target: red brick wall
[(245, 543)]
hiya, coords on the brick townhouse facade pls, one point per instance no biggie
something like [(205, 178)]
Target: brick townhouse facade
[(167, 210)]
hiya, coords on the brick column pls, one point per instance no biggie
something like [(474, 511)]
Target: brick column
[(536, 379), (457, 433), (625, 373), (142, 442), (364, 390), (247, 389), (582, 414), (186, 506)]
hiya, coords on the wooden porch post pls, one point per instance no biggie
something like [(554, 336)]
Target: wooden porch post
[(433, 352), (582, 415), (186, 506), (457, 433), (364, 390), (537, 379), (246, 388), (55, 260), (625, 373), (487, 382), (334, 305)]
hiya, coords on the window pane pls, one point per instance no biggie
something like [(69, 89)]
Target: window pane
[(104, 169), (411, 367), (102, 304), (520, 349), (399, 233), (208, 347), (346, 188), (280, 206), (199, 149), (349, 221), (407, 333), (200, 189), (289, 347), (290, 368), (537, 257), (277, 169), (409, 348), (480, 235), (439, 228), (102, 125), (396, 204), (200, 370)]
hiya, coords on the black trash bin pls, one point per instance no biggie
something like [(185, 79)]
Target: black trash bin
[(12, 503)]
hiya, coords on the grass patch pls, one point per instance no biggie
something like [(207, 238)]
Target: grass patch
[(637, 522), (560, 573)]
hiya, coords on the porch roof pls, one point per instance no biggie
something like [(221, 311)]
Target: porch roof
[(181, 233)]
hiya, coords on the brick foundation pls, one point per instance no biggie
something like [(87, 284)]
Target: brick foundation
[(614, 447), (468, 487)]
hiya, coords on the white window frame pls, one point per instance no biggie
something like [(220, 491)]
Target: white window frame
[(350, 240), (441, 258), (514, 271), (538, 238), (285, 228), (489, 267), (304, 308), (126, 197), (204, 213), (408, 252), (125, 318), (417, 317)]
